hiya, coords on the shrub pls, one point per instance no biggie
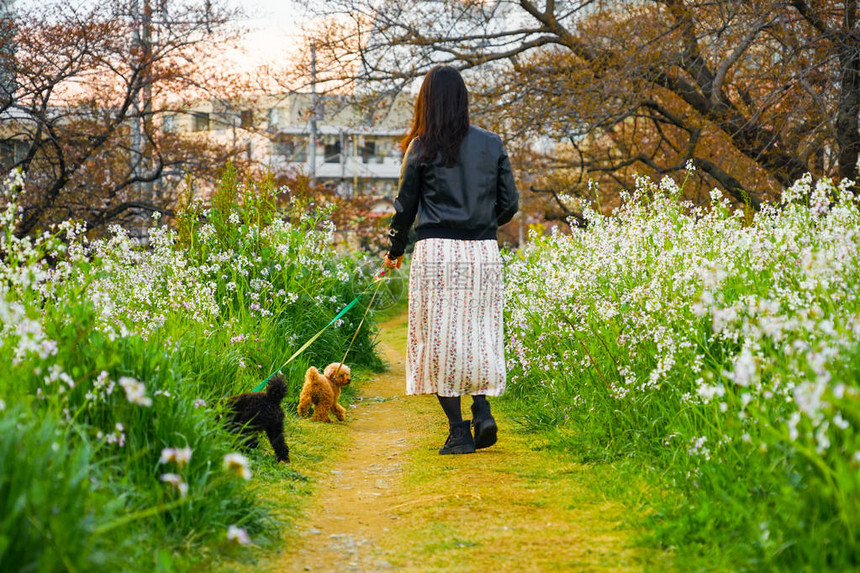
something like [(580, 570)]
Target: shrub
[(123, 354), (719, 352)]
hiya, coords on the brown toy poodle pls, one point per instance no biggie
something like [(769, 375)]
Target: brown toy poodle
[(323, 391), (254, 412)]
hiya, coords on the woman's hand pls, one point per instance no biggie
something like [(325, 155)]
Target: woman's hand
[(392, 264)]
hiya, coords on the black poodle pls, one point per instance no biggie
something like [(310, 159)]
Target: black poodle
[(254, 412)]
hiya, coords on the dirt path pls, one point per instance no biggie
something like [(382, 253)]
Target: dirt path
[(393, 504)]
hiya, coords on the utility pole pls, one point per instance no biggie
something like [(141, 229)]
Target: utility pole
[(355, 165), (141, 12), (343, 163), (313, 174)]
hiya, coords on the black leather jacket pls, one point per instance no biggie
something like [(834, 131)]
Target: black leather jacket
[(468, 201)]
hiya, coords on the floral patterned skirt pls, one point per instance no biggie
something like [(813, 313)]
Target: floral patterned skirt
[(455, 342)]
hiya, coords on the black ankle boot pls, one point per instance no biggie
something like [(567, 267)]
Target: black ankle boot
[(459, 439), (485, 425)]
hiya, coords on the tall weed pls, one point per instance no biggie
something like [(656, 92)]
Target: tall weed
[(717, 352), (122, 355)]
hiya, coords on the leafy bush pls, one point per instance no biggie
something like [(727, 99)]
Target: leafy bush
[(720, 352), (123, 354)]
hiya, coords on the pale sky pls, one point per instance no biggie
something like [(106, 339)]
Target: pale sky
[(276, 30)]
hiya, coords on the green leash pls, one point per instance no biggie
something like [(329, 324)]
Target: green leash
[(345, 309)]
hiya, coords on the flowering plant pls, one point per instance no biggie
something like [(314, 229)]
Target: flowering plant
[(123, 347), (720, 348)]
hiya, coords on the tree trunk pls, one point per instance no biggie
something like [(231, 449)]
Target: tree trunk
[(847, 132)]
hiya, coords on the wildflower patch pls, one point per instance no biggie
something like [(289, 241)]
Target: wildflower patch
[(721, 352)]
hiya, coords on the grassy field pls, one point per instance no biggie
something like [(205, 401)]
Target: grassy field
[(703, 362), (114, 362), (711, 356)]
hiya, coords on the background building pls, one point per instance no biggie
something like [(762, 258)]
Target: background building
[(351, 149)]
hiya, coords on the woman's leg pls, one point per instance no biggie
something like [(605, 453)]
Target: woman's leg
[(451, 405), (482, 420), (460, 439)]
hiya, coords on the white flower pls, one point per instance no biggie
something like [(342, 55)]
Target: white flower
[(183, 456), (176, 481), (49, 348), (698, 448), (115, 437), (206, 231), (2, 405), (101, 380), (808, 397), (199, 403), (134, 391), (67, 379), (821, 437), (238, 535), (793, 421), (707, 392), (745, 369), (238, 464), (179, 455), (167, 455), (840, 422)]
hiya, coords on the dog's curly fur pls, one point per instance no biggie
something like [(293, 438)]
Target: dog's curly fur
[(254, 412), (323, 391)]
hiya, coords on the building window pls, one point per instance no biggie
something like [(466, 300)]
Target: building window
[(201, 121), (368, 151), (332, 152), (12, 152), (246, 118), (169, 123), (220, 121), (294, 150), (389, 149)]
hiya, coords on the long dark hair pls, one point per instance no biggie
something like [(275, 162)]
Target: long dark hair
[(441, 115)]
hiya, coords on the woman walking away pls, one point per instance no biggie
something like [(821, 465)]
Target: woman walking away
[(457, 179)]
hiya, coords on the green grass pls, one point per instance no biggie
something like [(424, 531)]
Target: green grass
[(712, 361), (110, 353)]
